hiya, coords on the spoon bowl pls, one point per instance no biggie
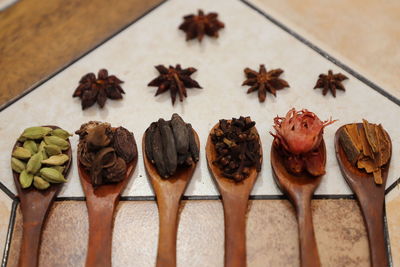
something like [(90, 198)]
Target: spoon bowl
[(235, 197), (168, 194), (101, 202), (35, 205), (371, 198), (300, 189)]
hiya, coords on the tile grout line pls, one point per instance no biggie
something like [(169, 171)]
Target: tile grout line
[(7, 191), (10, 231), (324, 54)]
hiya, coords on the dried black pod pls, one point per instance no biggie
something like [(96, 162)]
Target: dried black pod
[(116, 172), (124, 144)]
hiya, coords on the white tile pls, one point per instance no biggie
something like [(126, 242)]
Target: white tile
[(5, 212), (247, 41)]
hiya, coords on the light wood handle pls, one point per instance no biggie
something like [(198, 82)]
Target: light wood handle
[(101, 219), (168, 208), (373, 217), (29, 254), (308, 246), (235, 210)]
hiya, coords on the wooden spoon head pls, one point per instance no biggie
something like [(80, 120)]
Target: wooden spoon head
[(112, 189), (359, 180), (292, 184), (226, 185), (31, 197), (174, 185)]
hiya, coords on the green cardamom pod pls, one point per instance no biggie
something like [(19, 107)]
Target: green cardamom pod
[(61, 133), (22, 139), (40, 183), (52, 175), (34, 163), (41, 149), (56, 160), (31, 146), (58, 168), (58, 141), (17, 165), (52, 150), (21, 153), (36, 132), (25, 179)]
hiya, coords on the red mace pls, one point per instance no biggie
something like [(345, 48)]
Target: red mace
[(298, 138)]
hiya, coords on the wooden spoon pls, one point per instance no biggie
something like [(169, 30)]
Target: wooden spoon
[(101, 203), (300, 189), (235, 198), (371, 199), (35, 205), (168, 194)]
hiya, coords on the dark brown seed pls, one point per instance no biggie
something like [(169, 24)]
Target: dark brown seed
[(157, 152), (124, 144), (148, 143), (194, 149), (169, 148), (116, 172), (180, 134)]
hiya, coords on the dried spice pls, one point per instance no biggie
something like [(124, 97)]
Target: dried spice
[(367, 146), (238, 148), (176, 80), (330, 82), (264, 81), (196, 26), (105, 151), (39, 149), (171, 145), (92, 89), (298, 138)]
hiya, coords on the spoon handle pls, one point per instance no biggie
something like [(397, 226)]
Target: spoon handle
[(373, 217), (101, 218), (168, 208), (235, 209), (29, 254), (308, 246)]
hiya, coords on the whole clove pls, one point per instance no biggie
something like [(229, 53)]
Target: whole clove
[(237, 144), (171, 145), (105, 151)]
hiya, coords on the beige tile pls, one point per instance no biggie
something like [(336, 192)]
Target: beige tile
[(362, 33), (272, 237), (393, 220), (5, 212)]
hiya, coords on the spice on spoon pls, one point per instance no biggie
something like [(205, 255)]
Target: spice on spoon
[(40, 157), (298, 139), (238, 148), (367, 146), (170, 145), (105, 151)]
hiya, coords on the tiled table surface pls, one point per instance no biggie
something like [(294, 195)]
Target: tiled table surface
[(314, 28)]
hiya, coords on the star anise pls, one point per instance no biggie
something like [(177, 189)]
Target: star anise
[(330, 82), (175, 79), (92, 89), (200, 25), (263, 81)]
